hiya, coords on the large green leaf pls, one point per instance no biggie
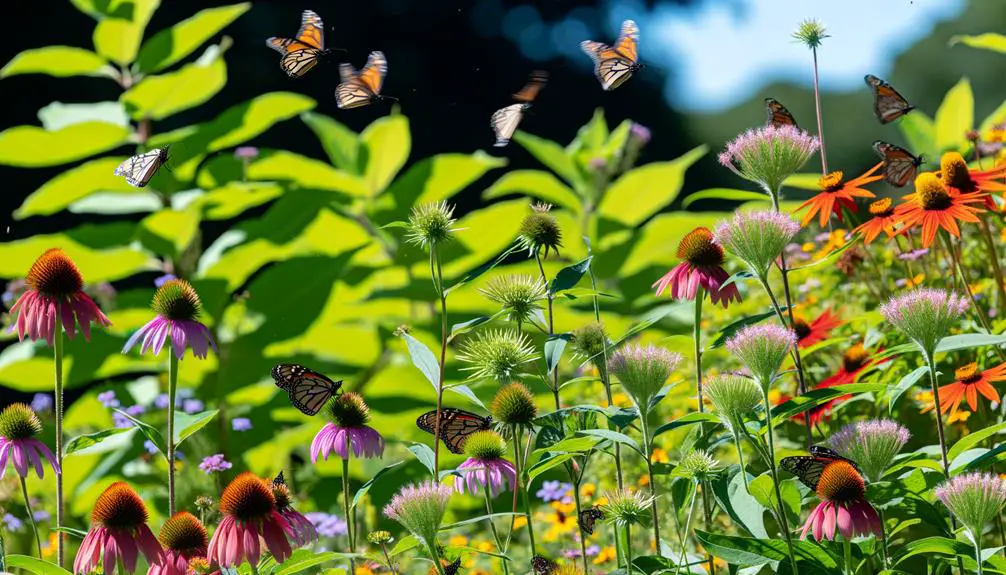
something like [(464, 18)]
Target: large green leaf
[(234, 198), (387, 142), (58, 115), (988, 41), (172, 44), (552, 155), (742, 507), (749, 551), (537, 184), (654, 243), (95, 265), (341, 144), (59, 61), (31, 147), (117, 37), (35, 566), (437, 178), (159, 97), (168, 231), (75, 184), (188, 424), (727, 194), (644, 191), (920, 133), (968, 341), (282, 166), (955, 117), (83, 442)]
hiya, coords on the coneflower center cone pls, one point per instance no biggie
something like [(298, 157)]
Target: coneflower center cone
[(247, 498), (184, 533), (177, 300), (54, 275), (119, 507), (18, 421), (968, 373), (801, 328), (841, 483), (954, 171), (854, 358), (882, 208), (349, 410), (931, 193), (698, 249)]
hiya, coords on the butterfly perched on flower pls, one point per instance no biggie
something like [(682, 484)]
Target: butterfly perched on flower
[(140, 168), (613, 65), (300, 54), (308, 390), (456, 426), (777, 115), (587, 518), (505, 120), (888, 104), (359, 88), (808, 468), (542, 565), (279, 480), (900, 166)]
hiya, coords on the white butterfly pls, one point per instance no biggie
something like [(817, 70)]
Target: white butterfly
[(140, 168), (505, 121)]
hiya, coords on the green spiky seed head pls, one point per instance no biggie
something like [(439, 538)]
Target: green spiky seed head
[(430, 224), (485, 444), (349, 410), (19, 421), (177, 300), (514, 405)]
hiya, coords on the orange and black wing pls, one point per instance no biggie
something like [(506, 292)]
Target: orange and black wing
[(307, 389), (588, 517), (456, 425), (900, 166), (535, 83), (888, 104), (613, 65), (808, 468), (300, 54), (360, 88), (777, 114)]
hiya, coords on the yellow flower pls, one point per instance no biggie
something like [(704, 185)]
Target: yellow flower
[(808, 247), (457, 541), (926, 399), (621, 400), (659, 456), (519, 522), (605, 555), (836, 239), (914, 281), (564, 508), (363, 570), (587, 490), (485, 546), (774, 395), (960, 416), (49, 549)]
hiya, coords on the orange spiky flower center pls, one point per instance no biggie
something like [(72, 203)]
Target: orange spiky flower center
[(931, 193), (841, 483), (184, 533), (882, 208), (282, 494), (954, 172), (55, 275), (968, 373), (698, 249), (119, 507), (854, 358), (831, 182), (247, 498)]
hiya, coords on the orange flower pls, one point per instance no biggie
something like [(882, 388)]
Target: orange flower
[(818, 330), (935, 206), (883, 220), (955, 174), (970, 382), (834, 194)]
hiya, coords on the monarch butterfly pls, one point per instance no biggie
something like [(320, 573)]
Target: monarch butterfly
[(302, 53), (900, 165), (588, 517), (777, 114), (542, 565), (140, 168), (308, 390), (808, 468), (614, 65), (452, 568), (279, 480), (505, 120), (888, 104), (456, 425), (361, 88)]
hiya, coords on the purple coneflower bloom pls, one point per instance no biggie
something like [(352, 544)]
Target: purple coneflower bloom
[(843, 508), (302, 529), (215, 463), (241, 424), (485, 466), (348, 428), (177, 306), (701, 267), (18, 427), (184, 539), (250, 518), (118, 533), (54, 295)]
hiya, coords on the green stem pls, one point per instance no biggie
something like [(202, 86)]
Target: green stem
[(437, 275), (697, 339), (820, 120), (172, 391), (391, 566), (783, 522), (994, 256), (31, 516), (938, 413), (431, 546), (883, 538), (519, 465), (576, 499), (492, 527), (688, 527), (602, 369), (350, 516), (628, 549), (978, 311), (740, 458), (978, 551), (253, 567), (847, 546), (58, 360), (551, 331), (649, 472)]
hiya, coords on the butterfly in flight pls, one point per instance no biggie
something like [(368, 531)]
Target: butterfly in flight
[(363, 87), (900, 166), (588, 517), (456, 425), (505, 120), (300, 54), (777, 115), (808, 468), (140, 168), (308, 390), (888, 104), (613, 65)]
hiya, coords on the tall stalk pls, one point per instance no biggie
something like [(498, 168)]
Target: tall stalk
[(31, 516), (783, 521), (994, 256), (58, 361), (350, 516), (602, 369), (977, 538), (647, 441), (437, 275), (551, 330), (684, 536), (519, 466), (172, 391), (697, 340), (492, 527), (820, 120)]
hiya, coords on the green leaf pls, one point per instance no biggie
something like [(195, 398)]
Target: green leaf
[(968, 341), (475, 273), (803, 181), (727, 194), (58, 115), (467, 393), (303, 559), (547, 464), (437, 178), (31, 147), (234, 199), (973, 439), (96, 264), (365, 488), (920, 133), (906, 382), (644, 191), (425, 456), (739, 504), (478, 519), (283, 166), (955, 117), (387, 143), (169, 231), (551, 155), (728, 331), (424, 359), (686, 420), (466, 326), (614, 437), (340, 143), (74, 184), (59, 61), (554, 346), (537, 184), (763, 490), (929, 545), (36, 566), (815, 397), (117, 37), (831, 257), (172, 44), (569, 276), (160, 97), (650, 243), (82, 442), (749, 551), (574, 445), (187, 424), (987, 41), (149, 431)]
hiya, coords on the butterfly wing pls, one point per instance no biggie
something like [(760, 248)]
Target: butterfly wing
[(279, 480), (346, 72), (900, 166), (453, 568), (307, 389), (888, 104), (628, 41), (505, 121), (777, 114), (373, 73), (456, 425), (808, 468), (587, 519), (542, 565), (140, 168), (534, 85), (359, 89), (301, 54), (312, 30), (614, 65), (297, 63)]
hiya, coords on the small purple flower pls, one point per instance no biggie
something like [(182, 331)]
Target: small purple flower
[(554, 491), (757, 238), (12, 524), (41, 403), (41, 516), (161, 401), (121, 421), (159, 281), (191, 406), (597, 164), (136, 410), (246, 153), (974, 498), (150, 447), (177, 306), (107, 398), (640, 133), (327, 525), (215, 463), (913, 255), (241, 424)]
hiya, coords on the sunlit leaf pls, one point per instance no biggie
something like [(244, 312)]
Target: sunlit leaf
[(551, 155), (59, 61), (726, 194), (83, 442), (955, 117), (987, 41), (117, 36), (644, 191), (159, 97), (341, 144), (169, 231), (920, 133), (172, 44), (58, 115), (35, 566), (387, 143), (537, 184), (434, 179), (188, 424), (96, 265), (74, 184), (31, 147)]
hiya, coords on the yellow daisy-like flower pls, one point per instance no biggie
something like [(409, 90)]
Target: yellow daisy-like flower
[(659, 456), (605, 555), (457, 541), (836, 240), (587, 490), (485, 546), (363, 570), (774, 395), (927, 401), (960, 416), (519, 522), (808, 247)]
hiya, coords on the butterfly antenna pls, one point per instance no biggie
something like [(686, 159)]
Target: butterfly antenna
[(392, 98)]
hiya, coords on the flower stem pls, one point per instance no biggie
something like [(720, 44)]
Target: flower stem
[(576, 499), (688, 527), (883, 538), (978, 311), (350, 516), (31, 516), (938, 412), (551, 331), (519, 465), (431, 546), (994, 256), (391, 566), (492, 527), (740, 458), (820, 121), (847, 546), (58, 360), (697, 339), (437, 275), (253, 567), (978, 551), (628, 548), (172, 390), (649, 472), (783, 522)]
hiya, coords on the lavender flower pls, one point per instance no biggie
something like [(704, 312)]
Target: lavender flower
[(757, 238), (327, 525), (107, 398), (246, 153), (768, 155), (214, 464), (191, 406), (347, 430), (41, 403), (925, 316), (913, 255), (178, 307), (241, 424), (762, 349), (120, 421), (18, 427), (41, 516), (12, 523), (420, 509), (150, 447), (554, 491), (161, 280), (643, 371), (161, 401), (974, 498), (136, 410), (871, 444), (485, 466)]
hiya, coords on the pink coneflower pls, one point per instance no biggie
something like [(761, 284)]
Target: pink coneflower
[(178, 307), (485, 466), (184, 539), (304, 532), (770, 154), (250, 518), (18, 427), (118, 533), (843, 508), (348, 429), (701, 266), (54, 295)]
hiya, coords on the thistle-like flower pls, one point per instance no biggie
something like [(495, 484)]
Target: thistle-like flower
[(539, 231), (643, 371), (762, 349), (347, 430), (734, 397), (514, 405), (18, 427), (178, 307), (770, 154), (871, 444), (497, 355), (486, 466), (811, 32), (925, 316), (420, 509), (118, 533), (974, 498), (757, 238), (517, 294), (627, 507), (698, 465), (590, 342), (430, 225)]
